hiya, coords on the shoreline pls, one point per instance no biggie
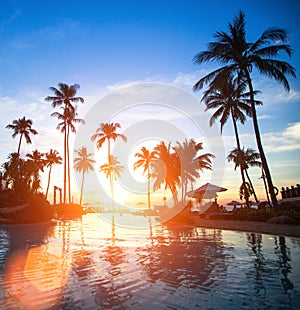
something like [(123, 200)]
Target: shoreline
[(287, 230)]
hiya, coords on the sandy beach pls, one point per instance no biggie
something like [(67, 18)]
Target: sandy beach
[(250, 226)]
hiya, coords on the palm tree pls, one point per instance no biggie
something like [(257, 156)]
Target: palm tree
[(36, 159), (22, 127), (145, 159), (191, 162), (236, 54), (245, 159), (229, 99), (52, 158), (166, 169), (65, 95), (83, 164), (107, 132), (112, 170), (68, 117)]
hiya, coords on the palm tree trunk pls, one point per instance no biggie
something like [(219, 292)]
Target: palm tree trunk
[(239, 150), (185, 189), (149, 205), (19, 146), (49, 175), (65, 164), (259, 143), (82, 182), (68, 161), (252, 187), (112, 192), (110, 176), (183, 184)]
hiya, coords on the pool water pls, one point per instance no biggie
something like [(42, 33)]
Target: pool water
[(113, 263)]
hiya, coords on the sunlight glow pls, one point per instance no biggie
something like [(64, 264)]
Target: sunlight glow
[(32, 290)]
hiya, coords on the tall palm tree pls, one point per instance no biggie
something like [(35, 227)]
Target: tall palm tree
[(191, 163), (229, 98), (65, 95), (145, 159), (52, 158), (112, 170), (245, 159), (22, 127), (68, 118), (83, 164), (107, 132), (236, 54), (166, 169)]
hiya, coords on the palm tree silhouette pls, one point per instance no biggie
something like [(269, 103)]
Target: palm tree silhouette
[(145, 159), (236, 54), (107, 132), (191, 162), (65, 95), (68, 117), (52, 158), (22, 127), (166, 169), (37, 160), (112, 170), (83, 164), (229, 99), (245, 159)]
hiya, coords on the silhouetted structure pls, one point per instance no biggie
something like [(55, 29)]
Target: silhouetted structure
[(54, 195), (292, 192)]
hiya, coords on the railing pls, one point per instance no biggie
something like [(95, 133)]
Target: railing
[(290, 192)]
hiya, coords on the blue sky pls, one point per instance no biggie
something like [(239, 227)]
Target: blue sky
[(105, 45)]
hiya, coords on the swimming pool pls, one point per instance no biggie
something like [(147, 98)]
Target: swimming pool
[(91, 263)]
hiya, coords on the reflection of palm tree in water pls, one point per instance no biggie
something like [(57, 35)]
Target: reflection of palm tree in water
[(81, 260), (260, 265), (183, 257), (255, 243), (284, 257), (107, 295)]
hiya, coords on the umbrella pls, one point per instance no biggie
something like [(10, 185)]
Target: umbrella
[(206, 191), (233, 203), (211, 187)]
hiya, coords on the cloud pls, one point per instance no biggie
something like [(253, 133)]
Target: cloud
[(264, 116), (10, 19), (287, 140), (186, 79), (273, 93)]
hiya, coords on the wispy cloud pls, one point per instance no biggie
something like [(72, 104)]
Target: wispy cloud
[(6, 22), (286, 140), (264, 116)]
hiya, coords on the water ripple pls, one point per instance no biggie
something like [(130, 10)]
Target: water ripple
[(91, 264)]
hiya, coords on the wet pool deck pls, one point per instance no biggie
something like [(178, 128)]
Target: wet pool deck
[(250, 226)]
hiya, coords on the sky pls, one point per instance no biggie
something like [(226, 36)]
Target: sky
[(106, 45)]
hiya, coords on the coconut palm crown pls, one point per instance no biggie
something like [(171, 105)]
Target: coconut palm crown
[(22, 127)]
